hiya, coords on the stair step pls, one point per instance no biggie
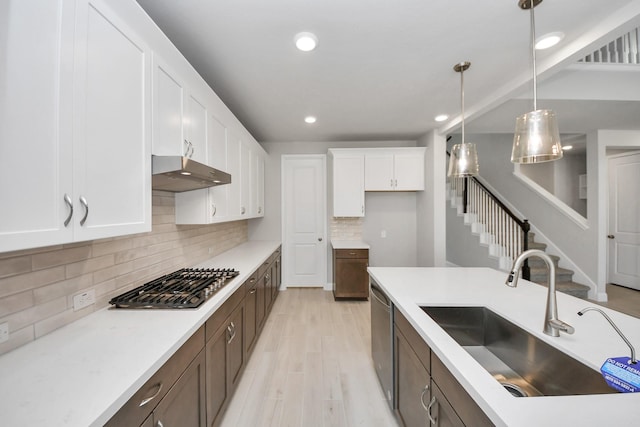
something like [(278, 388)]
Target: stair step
[(571, 288), (536, 245), (540, 274), (537, 262)]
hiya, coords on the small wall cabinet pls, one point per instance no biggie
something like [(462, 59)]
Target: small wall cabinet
[(350, 277), (400, 169), (348, 183)]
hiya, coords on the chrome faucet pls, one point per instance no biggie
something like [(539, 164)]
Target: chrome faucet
[(552, 325), (633, 350)]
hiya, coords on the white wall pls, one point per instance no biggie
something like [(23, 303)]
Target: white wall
[(584, 246), (399, 248), (431, 208)]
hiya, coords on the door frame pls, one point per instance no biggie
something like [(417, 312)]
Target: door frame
[(285, 158), (608, 207)]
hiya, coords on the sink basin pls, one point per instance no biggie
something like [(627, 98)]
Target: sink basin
[(525, 365)]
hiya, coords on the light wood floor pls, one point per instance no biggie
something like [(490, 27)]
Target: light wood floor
[(623, 299), (311, 367)]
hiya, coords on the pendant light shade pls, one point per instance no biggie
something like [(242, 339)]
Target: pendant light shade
[(464, 156), (536, 138)]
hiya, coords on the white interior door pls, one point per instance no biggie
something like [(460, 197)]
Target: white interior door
[(304, 248), (624, 221)]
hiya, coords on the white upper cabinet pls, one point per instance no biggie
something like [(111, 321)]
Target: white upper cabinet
[(78, 83), (112, 118), (179, 115), (257, 186), (35, 124), (246, 161), (397, 169), (348, 183)]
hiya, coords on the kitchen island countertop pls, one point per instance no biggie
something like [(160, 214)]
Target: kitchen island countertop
[(82, 373), (593, 341)]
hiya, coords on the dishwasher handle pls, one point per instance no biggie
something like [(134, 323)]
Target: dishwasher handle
[(375, 291)]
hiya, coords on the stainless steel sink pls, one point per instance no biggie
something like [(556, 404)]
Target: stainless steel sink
[(524, 364)]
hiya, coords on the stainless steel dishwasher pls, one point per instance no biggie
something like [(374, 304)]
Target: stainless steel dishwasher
[(382, 339)]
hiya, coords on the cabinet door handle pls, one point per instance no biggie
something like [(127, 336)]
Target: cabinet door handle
[(242, 210), (149, 399), (424, 391), (214, 209), (395, 183), (188, 152), (260, 209), (391, 183), (67, 200), (159, 424), (84, 203), (433, 420), (362, 208), (231, 329)]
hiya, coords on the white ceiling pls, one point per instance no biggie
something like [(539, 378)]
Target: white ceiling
[(382, 69)]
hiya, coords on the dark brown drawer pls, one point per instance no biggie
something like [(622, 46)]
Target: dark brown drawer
[(351, 253), (416, 342), (222, 313), (251, 282), (464, 406), (143, 402)]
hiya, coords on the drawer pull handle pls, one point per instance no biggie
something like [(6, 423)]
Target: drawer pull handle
[(424, 391), (252, 291), (149, 399), (433, 420)]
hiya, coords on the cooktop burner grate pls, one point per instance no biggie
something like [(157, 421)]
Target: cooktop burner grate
[(185, 288)]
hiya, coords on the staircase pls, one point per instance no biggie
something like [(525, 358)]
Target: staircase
[(502, 234)]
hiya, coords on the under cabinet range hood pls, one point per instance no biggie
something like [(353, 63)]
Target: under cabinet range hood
[(178, 173)]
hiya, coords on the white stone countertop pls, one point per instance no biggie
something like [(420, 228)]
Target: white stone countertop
[(82, 373), (592, 343), (349, 244)]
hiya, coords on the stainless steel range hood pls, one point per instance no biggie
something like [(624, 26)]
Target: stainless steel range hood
[(177, 174)]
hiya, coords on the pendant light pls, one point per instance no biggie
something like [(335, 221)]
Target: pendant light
[(464, 157), (536, 138)]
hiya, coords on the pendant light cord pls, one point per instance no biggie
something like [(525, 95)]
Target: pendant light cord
[(462, 100), (533, 57)]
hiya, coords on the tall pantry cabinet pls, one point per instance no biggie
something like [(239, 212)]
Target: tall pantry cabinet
[(75, 136)]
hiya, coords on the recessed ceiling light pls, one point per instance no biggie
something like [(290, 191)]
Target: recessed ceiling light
[(306, 41), (441, 118), (310, 119), (549, 40), (567, 147)]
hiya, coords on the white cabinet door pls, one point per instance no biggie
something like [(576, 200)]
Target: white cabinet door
[(218, 203), (112, 117), (378, 171), (35, 123), (233, 168), (168, 110), (409, 171), (258, 185), (196, 128), (348, 185), (246, 156)]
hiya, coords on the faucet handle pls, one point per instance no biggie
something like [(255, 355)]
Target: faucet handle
[(561, 326)]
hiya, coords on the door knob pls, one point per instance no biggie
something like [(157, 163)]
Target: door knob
[(611, 236), (319, 239)]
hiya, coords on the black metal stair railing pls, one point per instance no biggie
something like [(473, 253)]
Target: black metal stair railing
[(508, 231)]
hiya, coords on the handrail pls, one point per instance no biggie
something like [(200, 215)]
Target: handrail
[(495, 213)]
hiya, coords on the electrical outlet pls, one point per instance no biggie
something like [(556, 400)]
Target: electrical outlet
[(4, 332), (83, 300), (383, 234)]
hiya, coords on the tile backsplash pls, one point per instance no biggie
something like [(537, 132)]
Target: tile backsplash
[(346, 228), (37, 286)]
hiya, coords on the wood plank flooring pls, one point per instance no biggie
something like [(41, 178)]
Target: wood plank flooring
[(311, 367), (625, 300)]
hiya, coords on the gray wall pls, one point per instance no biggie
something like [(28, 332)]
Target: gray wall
[(398, 249)]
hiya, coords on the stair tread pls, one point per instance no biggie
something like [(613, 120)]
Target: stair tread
[(572, 288), (543, 270)]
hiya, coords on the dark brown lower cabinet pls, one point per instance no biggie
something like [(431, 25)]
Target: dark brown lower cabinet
[(427, 393), (184, 404), (350, 277), (225, 359), (250, 325), (412, 390)]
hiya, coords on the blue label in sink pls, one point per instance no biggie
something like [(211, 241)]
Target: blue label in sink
[(621, 374)]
